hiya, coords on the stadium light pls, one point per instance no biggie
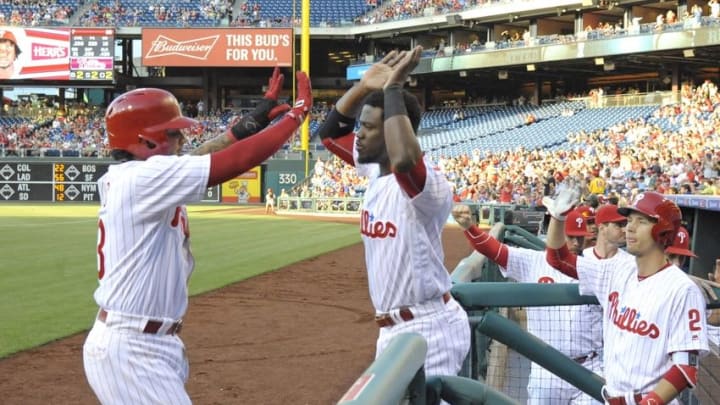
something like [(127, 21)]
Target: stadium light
[(531, 67), (609, 66), (502, 74), (599, 61), (689, 53), (463, 73)]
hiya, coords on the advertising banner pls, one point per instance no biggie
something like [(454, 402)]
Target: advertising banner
[(218, 47), (243, 189), (56, 54)]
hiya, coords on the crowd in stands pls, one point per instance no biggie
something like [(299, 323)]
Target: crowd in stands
[(184, 13), (34, 13), (675, 151), (78, 130), (188, 13)]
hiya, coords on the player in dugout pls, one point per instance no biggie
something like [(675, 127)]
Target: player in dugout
[(655, 327), (575, 331)]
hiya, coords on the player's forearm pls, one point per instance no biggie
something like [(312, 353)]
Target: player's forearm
[(350, 103), (664, 390), (682, 374), (562, 260), (243, 155), (555, 237), (488, 246), (400, 140), (215, 145)]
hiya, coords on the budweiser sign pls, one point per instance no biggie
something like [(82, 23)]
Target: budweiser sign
[(194, 48), (216, 47)]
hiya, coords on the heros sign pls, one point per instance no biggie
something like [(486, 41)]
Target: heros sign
[(57, 54), (220, 47)]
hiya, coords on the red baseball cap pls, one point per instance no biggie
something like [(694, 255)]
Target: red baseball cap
[(8, 35), (587, 212), (576, 224), (608, 213), (681, 244)]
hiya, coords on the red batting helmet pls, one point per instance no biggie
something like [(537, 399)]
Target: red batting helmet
[(665, 212), (144, 115)]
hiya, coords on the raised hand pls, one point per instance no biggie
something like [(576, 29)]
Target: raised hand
[(303, 99), (376, 76), (265, 111), (563, 203), (463, 216), (403, 65), (275, 84)]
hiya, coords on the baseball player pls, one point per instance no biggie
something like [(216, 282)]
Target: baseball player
[(610, 235), (132, 354), (655, 326), (679, 251), (575, 331), (406, 205)]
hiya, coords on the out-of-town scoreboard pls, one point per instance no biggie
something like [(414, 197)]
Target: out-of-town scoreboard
[(59, 181)]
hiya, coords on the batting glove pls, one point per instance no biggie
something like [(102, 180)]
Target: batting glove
[(265, 111), (303, 99), (563, 203)]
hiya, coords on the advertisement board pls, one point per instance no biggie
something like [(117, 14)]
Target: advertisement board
[(217, 47), (85, 54), (244, 188)]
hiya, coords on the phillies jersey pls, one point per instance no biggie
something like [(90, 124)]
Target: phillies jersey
[(143, 235), (574, 330), (646, 320), (403, 238)]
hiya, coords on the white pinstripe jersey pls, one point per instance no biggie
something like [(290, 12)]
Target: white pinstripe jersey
[(645, 320), (403, 238), (574, 330), (144, 257)]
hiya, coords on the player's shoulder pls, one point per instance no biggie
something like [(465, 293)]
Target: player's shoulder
[(678, 280)]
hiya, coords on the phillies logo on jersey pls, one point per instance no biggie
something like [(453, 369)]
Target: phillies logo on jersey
[(546, 280), (628, 319), (376, 229)]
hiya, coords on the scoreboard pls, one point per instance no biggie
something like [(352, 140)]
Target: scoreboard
[(60, 181), (92, 54)]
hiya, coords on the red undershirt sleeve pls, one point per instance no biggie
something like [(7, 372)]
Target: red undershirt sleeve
[(487, 245), (342, 147), (413, 182), (247, 153), (562, 260)]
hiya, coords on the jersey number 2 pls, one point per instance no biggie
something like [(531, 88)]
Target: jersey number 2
[(694, 316)]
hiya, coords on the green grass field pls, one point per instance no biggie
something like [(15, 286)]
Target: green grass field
[(48, 267)]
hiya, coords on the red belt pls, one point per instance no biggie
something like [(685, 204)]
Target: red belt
[(621, 400), (384, 320), (151, 327), (583, 359)]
